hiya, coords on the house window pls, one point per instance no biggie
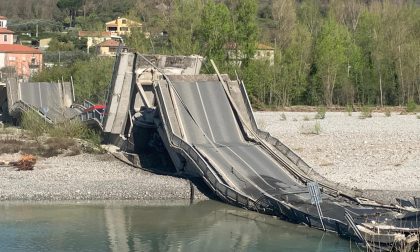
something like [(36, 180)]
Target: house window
[(124, 29), (11, 58), (5, 38), (1, 23), (124, 21)]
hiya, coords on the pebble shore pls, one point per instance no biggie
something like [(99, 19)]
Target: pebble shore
[(90, 177), (379, 155)]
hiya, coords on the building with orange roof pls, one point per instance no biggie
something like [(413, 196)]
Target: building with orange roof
[(94, 37), (109, 47), (17, 60), (122, 26)]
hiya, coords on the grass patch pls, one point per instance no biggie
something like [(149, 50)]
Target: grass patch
[(317, 128), (387, 112), (321, 112), (418, 116), (306, 118), (37, 127), (411, 106), (311, 130), (349, 110), (366, 112)]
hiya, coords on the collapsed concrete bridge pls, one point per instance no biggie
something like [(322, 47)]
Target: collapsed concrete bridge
[(206, 126)]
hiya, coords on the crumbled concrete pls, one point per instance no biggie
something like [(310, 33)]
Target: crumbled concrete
[(90, 177)]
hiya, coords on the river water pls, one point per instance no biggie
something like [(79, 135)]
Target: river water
[(153, 226)]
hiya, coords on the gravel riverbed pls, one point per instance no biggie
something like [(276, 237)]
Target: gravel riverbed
[(379, 155), (372, 154), (89, 177)]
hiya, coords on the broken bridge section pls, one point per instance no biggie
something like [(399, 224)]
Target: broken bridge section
[(206, 125), (54, 101)]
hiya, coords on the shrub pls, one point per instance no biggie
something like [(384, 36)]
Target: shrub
[(306, 118), (321, 113), (411, 106), (366, 112), (387, 112), (317, 128), (34, 123), (349, 110)]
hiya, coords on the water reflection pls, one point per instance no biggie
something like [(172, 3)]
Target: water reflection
[(128, 226)]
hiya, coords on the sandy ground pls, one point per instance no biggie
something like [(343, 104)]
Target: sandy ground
[(89, 177), (378, 153)]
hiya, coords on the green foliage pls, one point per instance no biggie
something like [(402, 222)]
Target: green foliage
[(246, 28), (349, 110), (321, 111), (138, 42), (37, 127), (331, 54), (59, 45), (411, 106), (34, 123), (317, 128), (214, 31), (366, 112), (91, 77)]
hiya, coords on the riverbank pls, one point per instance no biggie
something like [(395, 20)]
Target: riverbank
[(89, 177), (378, 155)]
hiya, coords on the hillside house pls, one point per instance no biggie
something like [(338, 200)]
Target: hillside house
[(17, 60), (109, 48), (122, 26), (24, 60), (94, 37), (6, 36), (262, 52)]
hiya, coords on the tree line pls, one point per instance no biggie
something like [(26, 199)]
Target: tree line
[(341, 52), (336, 52)]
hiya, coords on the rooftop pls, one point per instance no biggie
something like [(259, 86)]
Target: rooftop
[(109, 43), (5, 31), (3, 17), (94, 34), (19, 49)]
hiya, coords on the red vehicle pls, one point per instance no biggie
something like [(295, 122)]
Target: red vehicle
[(98, 107)]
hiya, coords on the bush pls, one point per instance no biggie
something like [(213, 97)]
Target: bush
[(34, 123), (366, 112), (317, 128), (349, 110), (69, 129), (321, 113), (411, 106), (387, 112)]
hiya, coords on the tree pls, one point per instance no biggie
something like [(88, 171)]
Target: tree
[(184, 21), (284, 14), (215, 32), (72, 6), (331, 56), (246, 29)]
